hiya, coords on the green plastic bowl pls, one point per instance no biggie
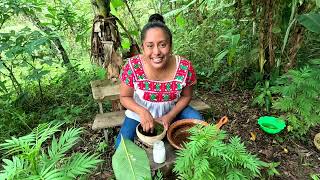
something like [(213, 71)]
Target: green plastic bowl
[(271, 124)]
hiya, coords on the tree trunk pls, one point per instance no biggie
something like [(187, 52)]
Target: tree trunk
[(297, 37), (254, 17), (105, 39), (262, 59), (296, 44), (56, 41), (271, 53)]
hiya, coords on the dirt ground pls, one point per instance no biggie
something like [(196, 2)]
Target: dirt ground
[(298, 158)]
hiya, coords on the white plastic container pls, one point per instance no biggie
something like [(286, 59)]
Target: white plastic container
[(159, 152)]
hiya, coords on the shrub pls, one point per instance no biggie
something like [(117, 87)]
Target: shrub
[(299, 98), (207, 156), (30, 160)]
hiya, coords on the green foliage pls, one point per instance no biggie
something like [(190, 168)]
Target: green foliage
[(263, 97), (310, 21), (272, 169), (159, 175), (315, 176), (102, 146), (231, 50), (218, 50), (130, 162), (66, 97), (214, 158), (299, 98), (31, 159)]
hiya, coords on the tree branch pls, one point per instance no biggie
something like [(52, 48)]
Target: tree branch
[(134, 19), (1, 24)]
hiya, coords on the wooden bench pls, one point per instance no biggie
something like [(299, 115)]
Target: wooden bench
[(103, 90)]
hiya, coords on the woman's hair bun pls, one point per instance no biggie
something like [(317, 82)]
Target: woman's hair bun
[(156, 18)]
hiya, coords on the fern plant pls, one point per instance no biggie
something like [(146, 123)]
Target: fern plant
[(207, 156), (31, 161), (299, 98)]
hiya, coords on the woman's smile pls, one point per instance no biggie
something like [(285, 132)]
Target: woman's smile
[(156, 48), (157, 60)]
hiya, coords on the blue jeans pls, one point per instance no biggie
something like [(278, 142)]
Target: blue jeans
[(128, 128)]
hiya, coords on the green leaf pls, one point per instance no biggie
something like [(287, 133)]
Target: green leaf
[(221, 55), (130, 162), (310, 21), (12, 168), (177, 11), (235, 40), (180, 21), (117, 3), (80, 164), (3, 86), (50, 173), (313, 61), (125, 43), (113, 11), (276, 29), (101, 72), (45, 131), (218, 58), (318, 3), (66, 141), (20, 144)]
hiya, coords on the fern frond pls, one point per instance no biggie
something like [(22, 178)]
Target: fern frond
[(50, 173), (259, 100), (215, 158), (80, 164), (16, 145), (12, 169), (45, 131), (66, 141), (235, 174), (284, 104)]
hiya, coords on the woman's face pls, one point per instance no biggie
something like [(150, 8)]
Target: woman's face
[(156, 48)]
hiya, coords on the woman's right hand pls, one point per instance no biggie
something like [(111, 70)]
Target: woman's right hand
[(146, 120)]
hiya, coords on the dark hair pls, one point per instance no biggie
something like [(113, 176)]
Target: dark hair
[(156, 21)]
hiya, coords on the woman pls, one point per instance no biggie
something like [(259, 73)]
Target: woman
[(156, 85)]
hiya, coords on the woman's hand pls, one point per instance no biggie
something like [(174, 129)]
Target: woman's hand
[(165, 120), (146, 121)]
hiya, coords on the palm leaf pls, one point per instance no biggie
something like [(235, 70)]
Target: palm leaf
[(130, 162), (310, 21)]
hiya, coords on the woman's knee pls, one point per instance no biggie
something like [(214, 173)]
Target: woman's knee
[(127, 131), (189, 113)]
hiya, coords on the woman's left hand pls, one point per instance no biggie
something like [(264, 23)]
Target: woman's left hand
[(165, 120)]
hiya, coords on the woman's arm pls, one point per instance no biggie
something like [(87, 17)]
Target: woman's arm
[(126, 99), (183, 101)]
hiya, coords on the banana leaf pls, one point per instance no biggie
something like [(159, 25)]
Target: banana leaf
[(130, 162), (310, 21)]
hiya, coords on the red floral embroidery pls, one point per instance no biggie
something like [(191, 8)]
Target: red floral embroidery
[(127, 75)]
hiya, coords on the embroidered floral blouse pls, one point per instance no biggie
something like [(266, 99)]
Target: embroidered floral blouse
[(158, 97)]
